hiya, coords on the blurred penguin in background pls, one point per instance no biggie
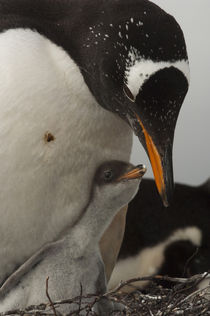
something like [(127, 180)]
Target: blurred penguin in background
[(173, 241)]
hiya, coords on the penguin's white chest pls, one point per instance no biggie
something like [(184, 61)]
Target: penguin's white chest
[(53, 135)]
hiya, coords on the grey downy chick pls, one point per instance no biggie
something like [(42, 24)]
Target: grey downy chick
[(75, 261)]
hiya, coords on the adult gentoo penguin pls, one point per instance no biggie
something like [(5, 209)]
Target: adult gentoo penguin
[(75, 259), (76, 78), (173, 241)]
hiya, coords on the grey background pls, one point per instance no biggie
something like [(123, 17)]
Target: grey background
[(192, 138)]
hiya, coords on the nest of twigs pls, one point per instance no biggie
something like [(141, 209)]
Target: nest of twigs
[(184, 298)]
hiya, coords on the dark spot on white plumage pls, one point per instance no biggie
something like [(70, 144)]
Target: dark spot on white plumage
[(49, 137)]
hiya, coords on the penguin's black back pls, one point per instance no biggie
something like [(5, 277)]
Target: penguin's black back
[(67, 23), (99, 34)]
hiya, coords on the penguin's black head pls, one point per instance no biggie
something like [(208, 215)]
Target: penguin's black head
[(134, 60), (200, 262), (184, 259)]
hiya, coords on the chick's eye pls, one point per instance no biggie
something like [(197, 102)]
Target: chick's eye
[(108, 175)]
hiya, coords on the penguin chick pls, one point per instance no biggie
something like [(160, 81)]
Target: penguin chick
[(75, 259)]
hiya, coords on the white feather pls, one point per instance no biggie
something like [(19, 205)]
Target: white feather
[(139, 69), (45, 185)]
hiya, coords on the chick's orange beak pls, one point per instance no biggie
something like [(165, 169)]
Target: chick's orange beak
[(135, 173)]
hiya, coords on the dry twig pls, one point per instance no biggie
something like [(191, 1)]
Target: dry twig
[(49, 298), (155, 301)]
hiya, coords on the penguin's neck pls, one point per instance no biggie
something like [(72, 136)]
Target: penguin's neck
[(53, 137), (86, 233)]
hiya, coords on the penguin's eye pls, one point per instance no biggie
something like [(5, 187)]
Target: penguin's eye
[(128, 93), (108, 175)]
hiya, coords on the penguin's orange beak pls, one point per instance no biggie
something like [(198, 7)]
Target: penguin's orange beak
[(156, 162), (135, 173)]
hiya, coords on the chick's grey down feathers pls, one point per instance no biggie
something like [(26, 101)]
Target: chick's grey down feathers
[(75, 259)]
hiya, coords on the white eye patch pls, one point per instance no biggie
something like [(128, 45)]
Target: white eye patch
[(138, 70)]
